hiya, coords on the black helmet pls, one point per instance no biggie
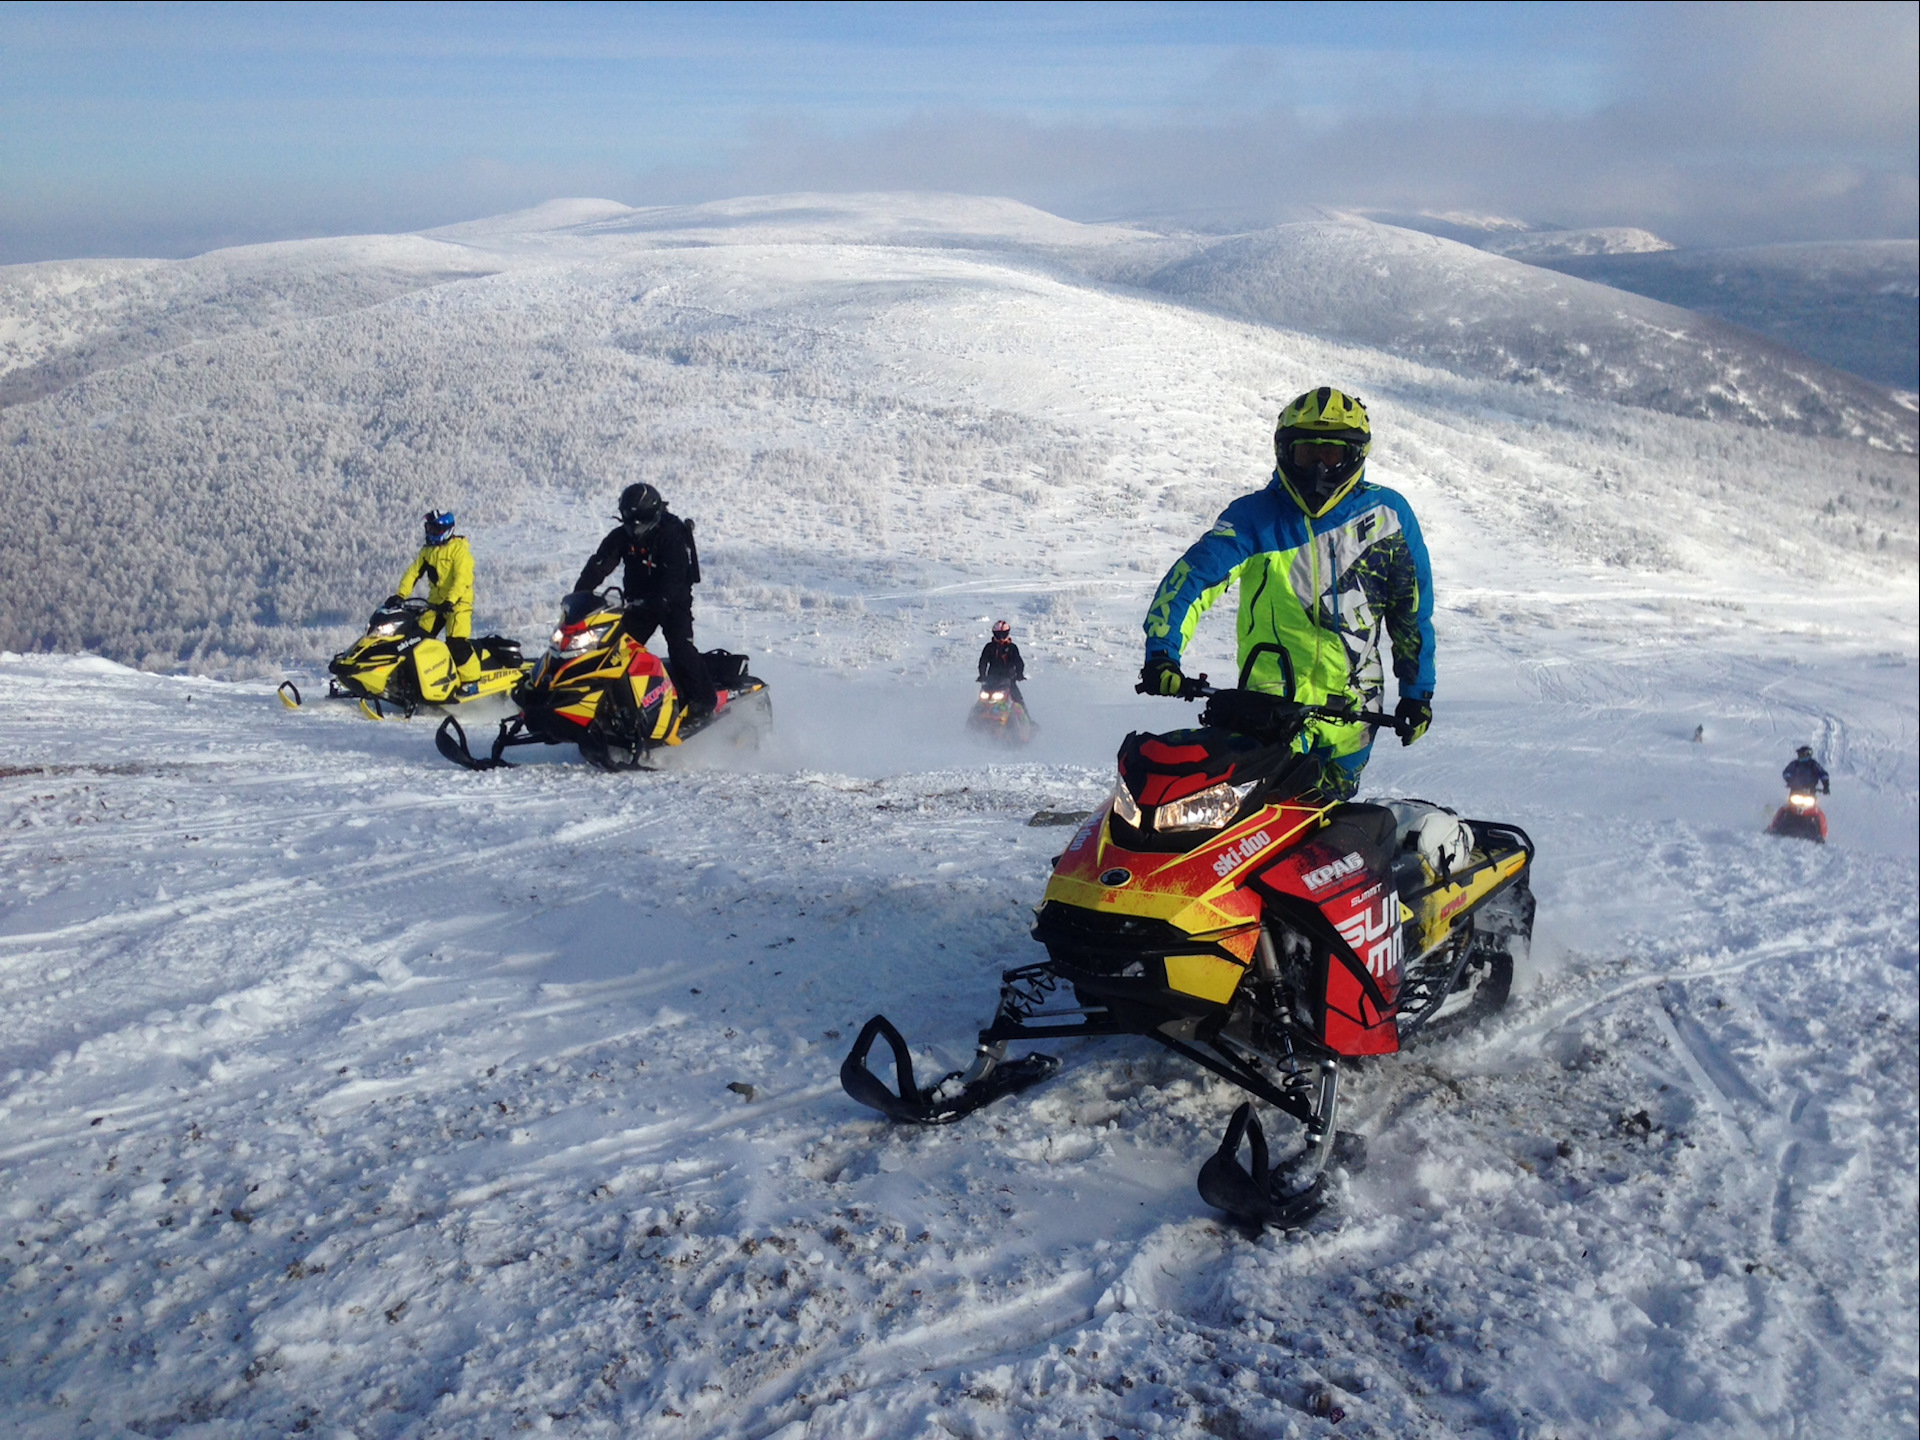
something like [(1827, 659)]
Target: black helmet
[(641, 507), (1805, 752)]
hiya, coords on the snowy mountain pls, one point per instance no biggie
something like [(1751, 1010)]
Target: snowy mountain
[(224, 459), (1476, 313), (346, 1093), (1854, 305), (1851, 304)]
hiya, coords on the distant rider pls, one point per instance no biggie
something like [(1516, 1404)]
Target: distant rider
[(446, 563), (1804, 774), (1000, 662), (662, 567), (1326, 562)]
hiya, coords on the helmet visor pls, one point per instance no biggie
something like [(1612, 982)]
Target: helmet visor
[(1332, 453)]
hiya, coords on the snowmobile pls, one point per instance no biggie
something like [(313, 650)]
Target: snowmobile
[(1001, 714), (1801, 818), (1222, 906), (396, 668), (600, 689)]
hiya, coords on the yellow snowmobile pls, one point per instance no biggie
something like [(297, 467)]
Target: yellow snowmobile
[(599, 688), (396, 668)]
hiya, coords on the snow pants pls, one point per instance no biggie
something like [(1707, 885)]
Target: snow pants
[(684, 663)]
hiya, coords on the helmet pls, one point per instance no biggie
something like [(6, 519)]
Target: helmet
[(641, 507), (1321, 446), (1001, 629), (1805, 752), (439, 525)]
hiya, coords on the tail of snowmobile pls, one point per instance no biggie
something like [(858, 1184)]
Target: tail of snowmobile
[(1222, 906), (598, 688)]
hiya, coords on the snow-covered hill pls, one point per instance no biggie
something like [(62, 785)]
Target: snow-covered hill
[(227, 456), (349, 1094), (1464, 309), (1854, 305)]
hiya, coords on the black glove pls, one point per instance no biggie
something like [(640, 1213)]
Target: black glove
[(1825, 789), (393, 602), (1411, 718), (1160, 676)]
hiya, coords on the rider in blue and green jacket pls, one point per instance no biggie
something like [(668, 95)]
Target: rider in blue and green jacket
[(1326, 562)]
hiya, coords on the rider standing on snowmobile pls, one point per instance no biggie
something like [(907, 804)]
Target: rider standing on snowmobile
[(1804, 773), (662, 567), (1000, 662), (446, 562), (1325, 561)]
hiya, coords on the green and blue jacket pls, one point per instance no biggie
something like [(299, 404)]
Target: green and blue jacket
[(1324, 590)]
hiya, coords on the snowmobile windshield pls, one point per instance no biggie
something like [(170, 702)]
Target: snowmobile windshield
[(578, 606)]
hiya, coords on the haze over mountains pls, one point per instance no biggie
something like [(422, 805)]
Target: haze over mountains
[(220, 461)]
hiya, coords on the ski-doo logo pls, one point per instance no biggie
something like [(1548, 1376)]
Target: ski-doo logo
[(1374, 935), (1240, 852), (1346, 865)]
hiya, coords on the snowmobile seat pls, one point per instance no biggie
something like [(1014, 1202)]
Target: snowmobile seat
[(497, 652), (725, 669)]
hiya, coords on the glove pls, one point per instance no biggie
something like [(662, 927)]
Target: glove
[(1825, 788), (1160, 676), (1411, 718), (393, 601)]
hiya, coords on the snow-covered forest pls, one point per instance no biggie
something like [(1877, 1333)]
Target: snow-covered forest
[(349, 1094)]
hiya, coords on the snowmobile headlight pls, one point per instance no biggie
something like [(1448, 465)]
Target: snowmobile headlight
[(392, 627), (1123, 805), (580, 639), (1212, 809), (1802, 804)]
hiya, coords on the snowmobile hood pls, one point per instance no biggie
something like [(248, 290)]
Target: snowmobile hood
[(1199, 890)]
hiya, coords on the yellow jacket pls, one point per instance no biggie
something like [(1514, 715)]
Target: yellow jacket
[(448, 568)]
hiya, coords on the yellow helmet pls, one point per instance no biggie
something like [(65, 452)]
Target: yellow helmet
[(1333, 434)]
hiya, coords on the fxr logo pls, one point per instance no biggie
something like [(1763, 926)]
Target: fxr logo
[(1238, 854), (1327, 874)]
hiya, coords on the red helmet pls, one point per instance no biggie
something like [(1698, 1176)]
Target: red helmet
[(1001, 629)]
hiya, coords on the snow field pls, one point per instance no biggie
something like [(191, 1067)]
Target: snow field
[(414, 1120), (345, 1093)]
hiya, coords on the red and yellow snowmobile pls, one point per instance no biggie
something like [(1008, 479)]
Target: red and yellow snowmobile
[(1801, 818), (599, 688), (1223, 907), (1001, 714), (396, 668)]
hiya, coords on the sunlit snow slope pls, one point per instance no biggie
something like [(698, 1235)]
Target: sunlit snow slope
[(349, 1094)]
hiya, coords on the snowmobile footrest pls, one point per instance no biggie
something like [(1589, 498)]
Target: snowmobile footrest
[(939, 1104)]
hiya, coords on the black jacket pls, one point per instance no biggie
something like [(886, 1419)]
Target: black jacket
[(1804, 774), (1001, 660), (662, 566)]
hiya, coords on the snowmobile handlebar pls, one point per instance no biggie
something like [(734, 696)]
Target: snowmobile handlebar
[(1277, 710)]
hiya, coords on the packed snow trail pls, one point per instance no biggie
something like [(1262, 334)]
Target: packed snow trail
[(355, 1094)]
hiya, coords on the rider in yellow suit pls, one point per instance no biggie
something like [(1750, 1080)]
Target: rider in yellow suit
[(446, 562)]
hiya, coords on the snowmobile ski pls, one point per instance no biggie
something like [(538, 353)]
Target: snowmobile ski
[(289, 694), (451, 741), (1286, 1195), (954, 1096)]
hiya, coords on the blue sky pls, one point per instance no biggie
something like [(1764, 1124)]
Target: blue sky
[(168, 129)]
